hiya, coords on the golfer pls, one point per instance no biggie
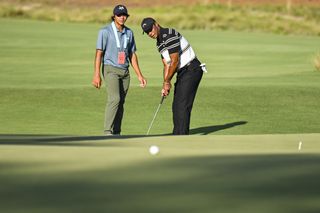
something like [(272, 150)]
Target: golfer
[(114, 51), (177, 57)]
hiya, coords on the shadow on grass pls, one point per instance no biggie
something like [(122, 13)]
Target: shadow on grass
[(210, 129), (30, 139), (224, 184), (56, 139)]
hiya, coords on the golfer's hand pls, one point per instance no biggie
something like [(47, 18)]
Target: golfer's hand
[(166, 89), (96, 82), (143, 82)]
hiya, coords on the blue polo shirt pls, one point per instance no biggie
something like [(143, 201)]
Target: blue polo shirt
[(107, 43)]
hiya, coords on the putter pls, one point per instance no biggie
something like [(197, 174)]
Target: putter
[(155, 114)]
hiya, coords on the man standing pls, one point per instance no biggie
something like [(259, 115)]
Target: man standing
[(177, 56), (114, 51)]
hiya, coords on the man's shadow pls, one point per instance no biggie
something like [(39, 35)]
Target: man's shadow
[(65, 140), (210, 129)]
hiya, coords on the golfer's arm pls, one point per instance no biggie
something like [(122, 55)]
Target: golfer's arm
[(165, 68), (97, 63), (135, 64), (171, 68)]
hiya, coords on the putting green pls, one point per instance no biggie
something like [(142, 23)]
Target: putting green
[(259, 173)]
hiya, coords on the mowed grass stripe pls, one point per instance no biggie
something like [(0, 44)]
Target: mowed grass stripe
[(217, 110)]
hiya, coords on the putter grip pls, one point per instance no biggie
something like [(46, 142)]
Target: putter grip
[(162, 98)]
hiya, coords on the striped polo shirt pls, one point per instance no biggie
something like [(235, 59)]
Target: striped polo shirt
[(170, 41)]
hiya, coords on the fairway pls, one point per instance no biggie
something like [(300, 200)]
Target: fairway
[(265, 83), (255, 128)]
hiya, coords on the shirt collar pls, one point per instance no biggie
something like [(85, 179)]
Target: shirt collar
[(123, 30), (161, 32)]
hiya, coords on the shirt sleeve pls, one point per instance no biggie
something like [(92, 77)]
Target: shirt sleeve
[(173, 42), (132, 47), (102, 40)]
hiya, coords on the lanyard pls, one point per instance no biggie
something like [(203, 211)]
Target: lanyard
[(117, 37)]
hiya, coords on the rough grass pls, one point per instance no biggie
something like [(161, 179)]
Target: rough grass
[(302, 19), (316, 61)]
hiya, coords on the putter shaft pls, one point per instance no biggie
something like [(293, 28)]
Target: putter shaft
[(155, 114)]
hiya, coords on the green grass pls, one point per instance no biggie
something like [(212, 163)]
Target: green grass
[(190, 174), (256, 104), (264, 80), (316, 61), (302, 19)]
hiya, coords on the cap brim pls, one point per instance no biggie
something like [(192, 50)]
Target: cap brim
[(148, 31), (144, 32), (122, 14)]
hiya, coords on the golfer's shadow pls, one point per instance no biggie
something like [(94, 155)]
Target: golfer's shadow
[(210, 129)]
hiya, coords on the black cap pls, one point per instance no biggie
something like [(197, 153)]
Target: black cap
[(120, 10), (147, 24)]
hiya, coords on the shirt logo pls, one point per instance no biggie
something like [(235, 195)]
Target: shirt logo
[(164, 35)]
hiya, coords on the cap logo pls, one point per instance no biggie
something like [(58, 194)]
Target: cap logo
[(144, 25), (121, 8)]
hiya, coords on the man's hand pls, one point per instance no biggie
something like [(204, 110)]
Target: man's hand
[(96, 82), (143, 82), (166, 89)]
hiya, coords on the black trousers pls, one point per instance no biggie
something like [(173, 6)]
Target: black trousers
[(188, 79)]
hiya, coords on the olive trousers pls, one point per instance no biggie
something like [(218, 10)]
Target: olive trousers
[(117, 84)]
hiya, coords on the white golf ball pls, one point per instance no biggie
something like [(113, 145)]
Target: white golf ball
[(154, 150)]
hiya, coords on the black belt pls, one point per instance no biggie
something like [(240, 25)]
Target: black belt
[(188, 64)]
